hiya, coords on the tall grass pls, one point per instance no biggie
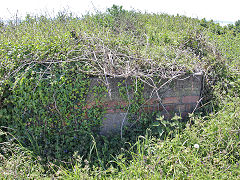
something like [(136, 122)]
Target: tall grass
[(17, 162), (217, 155), (208, 148)]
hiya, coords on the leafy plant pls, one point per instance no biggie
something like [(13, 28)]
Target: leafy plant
[(164, 127), (45, 74)]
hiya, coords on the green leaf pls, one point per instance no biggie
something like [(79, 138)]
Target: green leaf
[(160, 118), (156, 123)]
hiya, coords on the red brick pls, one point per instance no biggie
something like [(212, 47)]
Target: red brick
[(110, 104), (120, 110), (151, 108), (170, 100), (146, 108), (159, 108), (170, 108), (110, 111), (152, 101), (190, 99)]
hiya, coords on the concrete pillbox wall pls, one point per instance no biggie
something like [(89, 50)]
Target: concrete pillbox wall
[(178, 95)]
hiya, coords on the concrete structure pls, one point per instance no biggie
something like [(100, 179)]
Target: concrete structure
[(179, 95)]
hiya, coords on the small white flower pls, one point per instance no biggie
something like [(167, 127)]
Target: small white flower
[(196, 146)]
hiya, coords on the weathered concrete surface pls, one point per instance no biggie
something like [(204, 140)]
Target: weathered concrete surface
[(113, 122), (179, 95)]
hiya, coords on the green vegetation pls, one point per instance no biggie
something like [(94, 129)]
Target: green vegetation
[(46, 64)]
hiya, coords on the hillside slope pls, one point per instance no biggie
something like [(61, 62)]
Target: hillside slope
[(45, 67)]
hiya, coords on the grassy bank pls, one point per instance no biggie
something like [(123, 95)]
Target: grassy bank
[(208, 148), (45, 66)]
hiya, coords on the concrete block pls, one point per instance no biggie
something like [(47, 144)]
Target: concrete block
[(112, 123), (179, 96)]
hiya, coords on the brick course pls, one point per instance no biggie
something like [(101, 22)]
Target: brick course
[(180, 96), (190, 99), (171, 100)]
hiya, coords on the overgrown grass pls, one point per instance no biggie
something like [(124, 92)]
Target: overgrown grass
[(216, 156), (143, 43), (41, 58), (17, 162), (207, 149)]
